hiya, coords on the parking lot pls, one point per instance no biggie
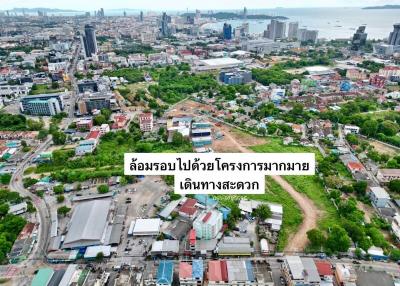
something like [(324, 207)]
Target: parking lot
[(140, 199)]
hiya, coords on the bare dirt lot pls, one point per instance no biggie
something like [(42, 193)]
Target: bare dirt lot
[(382, 148), (234, 140), (190, 108)]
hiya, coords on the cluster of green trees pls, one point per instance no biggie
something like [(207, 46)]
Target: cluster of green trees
[(107, 158), (174, 84), (10, 225), (11, 122), (134, 49), (371, 66), (132, 75), (382, 128), (394, 163), (275, 74)]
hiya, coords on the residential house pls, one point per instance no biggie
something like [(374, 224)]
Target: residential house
[(387, 175), (146, 122), (378, 196)]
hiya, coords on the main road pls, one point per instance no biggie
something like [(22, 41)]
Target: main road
[(16, 184)]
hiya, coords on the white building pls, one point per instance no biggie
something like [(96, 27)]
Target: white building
[(146, 122), (351, 129), (217, 64), (208, 224), (145, 227), (267, 46), (378, 196), (396, 226)]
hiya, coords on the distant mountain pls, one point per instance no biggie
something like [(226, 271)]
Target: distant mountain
[(382, 7), (47, 10), (231, 15)]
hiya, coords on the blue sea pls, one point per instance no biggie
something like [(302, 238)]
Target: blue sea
[(332, 23)]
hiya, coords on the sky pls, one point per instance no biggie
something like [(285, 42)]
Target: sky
[(156, 5)]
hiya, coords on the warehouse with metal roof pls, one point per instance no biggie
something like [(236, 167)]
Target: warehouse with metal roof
[(88, 224)]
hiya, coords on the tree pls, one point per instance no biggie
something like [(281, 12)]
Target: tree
[(4, 208), (103, 189), (99, 119), (370, 127), (5, 179), (352, 139), (177, 139), (99, 256), (394, 186), (316, 238), (395, 254), (58, 190), (360, 188), (64, 210), (389, 128), (338, 240), (333, 181), (106, 113), (59, 138), (347, 189), (60, 199), (262, 212)]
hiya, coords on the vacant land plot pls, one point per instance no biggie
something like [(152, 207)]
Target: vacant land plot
[(384, 148)]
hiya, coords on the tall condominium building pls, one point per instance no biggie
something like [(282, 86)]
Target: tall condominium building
[(359, 39), (89, 41), (305, 35), (394, 37), (43, 104), (293, 29), (165, 19), (141, 16), (276, 30), (227, 31)]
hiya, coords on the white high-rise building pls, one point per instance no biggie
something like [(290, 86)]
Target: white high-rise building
[(293, 29), (276, 30)]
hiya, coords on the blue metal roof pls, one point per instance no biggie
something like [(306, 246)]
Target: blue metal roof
[(249, 269), (197, 269), (165, 272), (205, 200)]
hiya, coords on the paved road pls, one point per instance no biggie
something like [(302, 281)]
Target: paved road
[(16, 185), (71, 74)]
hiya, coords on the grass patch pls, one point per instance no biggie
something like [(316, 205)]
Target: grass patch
[(313, 188), (292, 216), (274, 145)]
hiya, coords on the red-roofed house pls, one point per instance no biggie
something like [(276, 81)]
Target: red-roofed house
[(146, 121), (324, 269), (185, 272), (355, 167), (192, 238), (93, 135), (120, 121), (188, 209), (217, 272)]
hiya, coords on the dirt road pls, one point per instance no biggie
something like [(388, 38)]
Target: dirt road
[(298, 241)]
